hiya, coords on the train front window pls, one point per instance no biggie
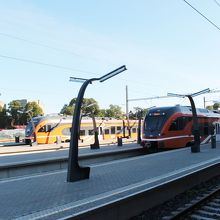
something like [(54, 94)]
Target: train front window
[(153, 124), (29, 127)]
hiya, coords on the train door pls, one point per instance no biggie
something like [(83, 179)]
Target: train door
[(217, 131), (100, 133)]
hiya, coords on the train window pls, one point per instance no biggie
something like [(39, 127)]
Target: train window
[(179, 123), (82, 132), (217, 128), (91, 132), (42, 129), (66, 131), (107, 131), (154, 123), (47, 128), (204, 129), (118, 128), (100, 130), (134, 130), (112, 130)]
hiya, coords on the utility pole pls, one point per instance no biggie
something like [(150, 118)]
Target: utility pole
[(127, 100)]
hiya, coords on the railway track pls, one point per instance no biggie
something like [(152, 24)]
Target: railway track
[(204, 207)]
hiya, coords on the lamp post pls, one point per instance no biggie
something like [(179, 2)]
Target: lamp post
[(75, 172), (128, 124), (195, 148)]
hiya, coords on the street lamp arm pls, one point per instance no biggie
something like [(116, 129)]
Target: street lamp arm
[(201, 92), (112, 73)]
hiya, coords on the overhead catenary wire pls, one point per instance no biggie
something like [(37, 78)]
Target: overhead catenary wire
[(202, 15), (44, 64), (61, 67), (38, 44), (217, 3)]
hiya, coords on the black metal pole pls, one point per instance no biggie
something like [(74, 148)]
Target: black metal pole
[(123, 128), (128, 126), (75, 172), (96, 139), (213, 136), (139, 128), (195, 148)]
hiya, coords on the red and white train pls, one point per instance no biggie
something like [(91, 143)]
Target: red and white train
[(171, 127)]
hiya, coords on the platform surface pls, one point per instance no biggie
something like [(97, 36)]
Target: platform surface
[(49, 196), (24, 156)]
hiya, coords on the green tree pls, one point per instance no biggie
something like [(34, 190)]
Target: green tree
[(216, 106), (114, 111), (210, 107), (67, 110), (3, 117), (13, 108), (35, 109), (138, 111), (89, 106), (102, 113)]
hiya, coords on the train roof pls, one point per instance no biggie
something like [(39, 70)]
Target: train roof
[(185, 110), (68, 119), (53, 117)]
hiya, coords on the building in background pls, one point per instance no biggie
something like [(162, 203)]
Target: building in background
[(2, 104)]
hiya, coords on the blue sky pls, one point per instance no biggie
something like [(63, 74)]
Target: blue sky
[(165, 45)]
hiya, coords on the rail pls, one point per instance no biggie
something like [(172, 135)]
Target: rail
[(195, 210)]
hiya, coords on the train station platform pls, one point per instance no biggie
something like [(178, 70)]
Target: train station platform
[(112, 190), (22, 154), (16, 148)]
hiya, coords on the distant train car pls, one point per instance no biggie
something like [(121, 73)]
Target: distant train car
[(51, 128), (171, 127)]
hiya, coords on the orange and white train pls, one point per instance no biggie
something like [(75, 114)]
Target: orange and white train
[(51, 128)]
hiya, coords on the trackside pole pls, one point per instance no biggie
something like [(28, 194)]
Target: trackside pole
[(195, 148), (139, 128), (213, 137)]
